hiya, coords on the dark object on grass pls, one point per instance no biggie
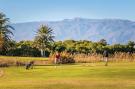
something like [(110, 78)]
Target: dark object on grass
[(30, 65)]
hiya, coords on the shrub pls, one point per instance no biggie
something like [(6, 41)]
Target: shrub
[(64, 58), (87, 58), (67, 58), (4, 65), (6, 62)]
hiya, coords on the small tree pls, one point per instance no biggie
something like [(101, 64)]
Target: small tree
[(103, 42), (43, 38), (131, 44)]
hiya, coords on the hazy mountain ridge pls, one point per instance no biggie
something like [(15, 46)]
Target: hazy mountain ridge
[(113, 30)]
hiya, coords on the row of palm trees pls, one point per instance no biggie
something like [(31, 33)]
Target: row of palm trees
[(42, 40)]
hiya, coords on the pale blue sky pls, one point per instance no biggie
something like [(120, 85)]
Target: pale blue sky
[(52, 10)]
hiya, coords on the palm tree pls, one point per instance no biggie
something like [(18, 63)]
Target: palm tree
[(43, 38), (1, 42), (5, 32)]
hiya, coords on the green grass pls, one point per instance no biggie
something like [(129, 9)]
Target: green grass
[(22, 58), (77, 76)]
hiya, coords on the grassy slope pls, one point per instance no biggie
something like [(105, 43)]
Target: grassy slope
[(79, 76)]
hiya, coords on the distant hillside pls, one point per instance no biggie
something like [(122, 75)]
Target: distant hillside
[(113, 30)]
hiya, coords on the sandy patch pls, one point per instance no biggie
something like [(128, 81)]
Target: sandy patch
[(1, 73)]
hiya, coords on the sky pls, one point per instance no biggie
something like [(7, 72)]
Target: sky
[(53, 10)]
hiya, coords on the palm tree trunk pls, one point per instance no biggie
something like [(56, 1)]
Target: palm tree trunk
[(42, 53)]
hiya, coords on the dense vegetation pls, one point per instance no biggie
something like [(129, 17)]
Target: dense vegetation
[(27, 48)]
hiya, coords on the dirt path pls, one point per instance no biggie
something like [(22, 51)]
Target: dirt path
[(1, 73)]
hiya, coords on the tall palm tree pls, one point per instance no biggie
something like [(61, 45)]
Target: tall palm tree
[(5, 32), (43, 38)]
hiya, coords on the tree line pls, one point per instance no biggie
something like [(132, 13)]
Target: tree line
[(44, 44)]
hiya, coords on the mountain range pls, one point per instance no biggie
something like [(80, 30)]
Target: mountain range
[(112, 30)]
